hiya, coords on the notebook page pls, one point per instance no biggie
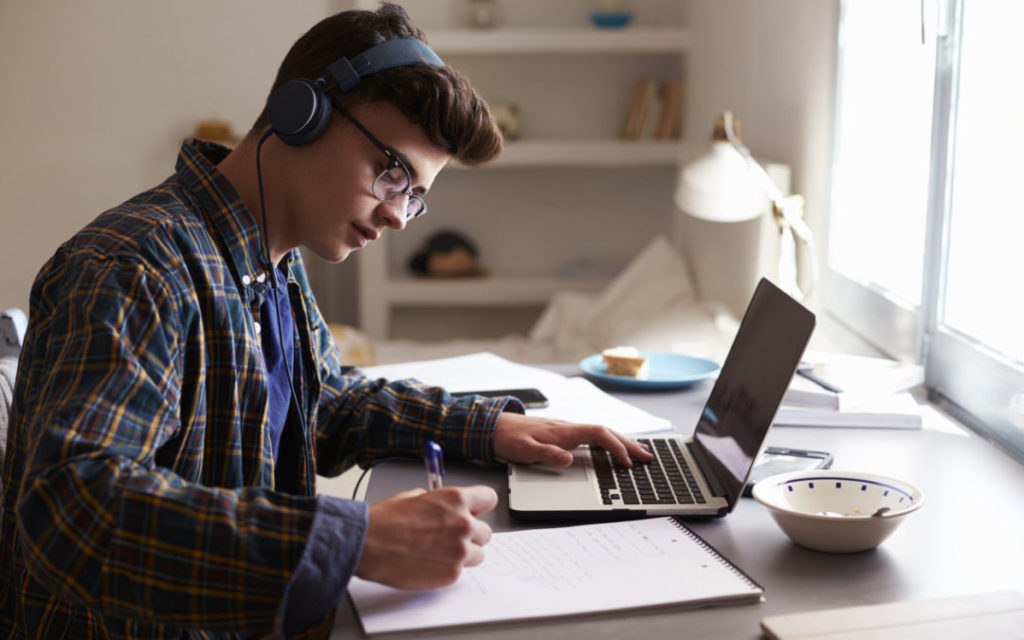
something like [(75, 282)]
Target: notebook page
[(564, 571)]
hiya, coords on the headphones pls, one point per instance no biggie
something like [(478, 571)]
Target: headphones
[(299, 110)]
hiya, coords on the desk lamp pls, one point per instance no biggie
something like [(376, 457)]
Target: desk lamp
[(727, 185)]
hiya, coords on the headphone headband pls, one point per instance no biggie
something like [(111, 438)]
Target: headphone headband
[(401, 52), (299, 109)]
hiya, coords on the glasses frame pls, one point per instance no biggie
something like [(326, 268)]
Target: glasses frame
[(393, 161)]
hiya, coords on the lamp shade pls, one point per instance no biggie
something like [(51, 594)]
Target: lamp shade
[(719, 187)]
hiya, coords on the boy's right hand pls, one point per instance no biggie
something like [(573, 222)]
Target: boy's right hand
[(422, 540)]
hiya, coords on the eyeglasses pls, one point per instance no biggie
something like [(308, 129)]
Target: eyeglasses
[(395, 179)]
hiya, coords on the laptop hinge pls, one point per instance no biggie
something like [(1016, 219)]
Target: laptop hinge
[(704, 461)]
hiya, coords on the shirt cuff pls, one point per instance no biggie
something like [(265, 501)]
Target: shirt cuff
[(470, 423), (330, 559)]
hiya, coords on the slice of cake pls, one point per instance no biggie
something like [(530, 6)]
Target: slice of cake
[(625, 361)]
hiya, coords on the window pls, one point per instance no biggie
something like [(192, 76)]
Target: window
[(926, 232)]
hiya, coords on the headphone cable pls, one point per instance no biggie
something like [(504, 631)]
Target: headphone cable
[(273, 280)]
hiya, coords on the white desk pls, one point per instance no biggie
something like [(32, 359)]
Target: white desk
[(966, 538)]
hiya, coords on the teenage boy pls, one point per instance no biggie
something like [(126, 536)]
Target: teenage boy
[(179, 391)]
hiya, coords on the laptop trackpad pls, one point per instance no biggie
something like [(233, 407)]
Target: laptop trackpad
[(576, 472)]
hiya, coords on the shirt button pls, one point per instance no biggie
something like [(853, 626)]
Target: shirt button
[(261, 277), (258, 328), (246, 280)]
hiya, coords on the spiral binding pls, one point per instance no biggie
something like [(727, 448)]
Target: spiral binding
[(713, 552)]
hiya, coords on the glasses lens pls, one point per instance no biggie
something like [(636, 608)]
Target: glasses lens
[(416, 207), (391, 182)]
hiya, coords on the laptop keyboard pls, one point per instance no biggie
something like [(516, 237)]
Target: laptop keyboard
[(665, 480)]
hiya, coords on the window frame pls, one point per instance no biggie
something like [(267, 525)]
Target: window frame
[(978, 386)]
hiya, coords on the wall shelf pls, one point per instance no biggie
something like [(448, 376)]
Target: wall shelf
[(492, 291), (590, 153), (599, 199), (553, 40)]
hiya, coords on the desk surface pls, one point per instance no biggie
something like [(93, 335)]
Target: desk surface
[(965, 538)]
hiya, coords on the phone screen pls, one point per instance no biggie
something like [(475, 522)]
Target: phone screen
[(775, 460), (531, 398)]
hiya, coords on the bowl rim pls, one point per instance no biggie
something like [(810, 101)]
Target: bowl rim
[(759, 492)]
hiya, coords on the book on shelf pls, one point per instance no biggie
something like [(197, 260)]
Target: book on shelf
[(888, 411), (669, 125), (643, 102), (655, 111)]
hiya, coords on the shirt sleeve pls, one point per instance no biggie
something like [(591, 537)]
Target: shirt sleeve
[(359, 419), (330, 560), (367, 419), (105, 524)]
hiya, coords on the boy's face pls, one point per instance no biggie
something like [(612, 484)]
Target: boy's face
[(331, 207)]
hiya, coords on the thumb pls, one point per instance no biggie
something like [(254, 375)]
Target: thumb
[(409, 493), (555, 456)]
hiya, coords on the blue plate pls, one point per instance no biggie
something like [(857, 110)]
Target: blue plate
[(665, 371)]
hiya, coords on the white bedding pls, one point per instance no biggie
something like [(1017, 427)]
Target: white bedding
[(651, 305)]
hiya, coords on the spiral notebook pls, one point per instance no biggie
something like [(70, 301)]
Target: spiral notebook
[(541, 573)]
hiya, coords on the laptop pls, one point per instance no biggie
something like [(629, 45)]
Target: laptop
[(715, 460)]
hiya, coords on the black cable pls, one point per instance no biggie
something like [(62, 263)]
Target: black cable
[(277, 310), (376, 462), (355, 491), (273, 275)]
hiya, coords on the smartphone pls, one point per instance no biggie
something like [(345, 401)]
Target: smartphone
[(775, 460), (531, 398)]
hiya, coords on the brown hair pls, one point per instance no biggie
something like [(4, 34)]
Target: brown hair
[(453, 115)]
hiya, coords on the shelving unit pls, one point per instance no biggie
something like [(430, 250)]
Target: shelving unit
[(568, 190), (596, 152), (556, 40)]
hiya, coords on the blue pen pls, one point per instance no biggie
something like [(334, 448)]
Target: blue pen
[(434, 460)]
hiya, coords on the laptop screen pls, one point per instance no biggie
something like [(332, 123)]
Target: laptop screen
[(756, 373)]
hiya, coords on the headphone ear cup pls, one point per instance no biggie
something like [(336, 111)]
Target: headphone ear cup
[(299, 111)]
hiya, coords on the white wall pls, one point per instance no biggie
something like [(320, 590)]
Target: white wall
[(97, 95), (770, 62)]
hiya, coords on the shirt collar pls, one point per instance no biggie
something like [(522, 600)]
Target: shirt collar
[(221, 204)]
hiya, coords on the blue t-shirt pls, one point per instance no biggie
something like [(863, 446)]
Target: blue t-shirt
[(279, 353)]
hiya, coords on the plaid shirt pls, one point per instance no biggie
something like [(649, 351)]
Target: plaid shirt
[(140, 497)]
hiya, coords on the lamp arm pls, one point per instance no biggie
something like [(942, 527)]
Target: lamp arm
[(789, 207)]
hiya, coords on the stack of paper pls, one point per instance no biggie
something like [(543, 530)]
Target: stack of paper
[(838, 390), (895, 411), (573, 399)]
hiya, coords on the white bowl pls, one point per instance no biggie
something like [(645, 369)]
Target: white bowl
[(833, 511)]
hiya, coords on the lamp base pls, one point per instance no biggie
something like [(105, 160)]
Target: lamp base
[(724, 258)]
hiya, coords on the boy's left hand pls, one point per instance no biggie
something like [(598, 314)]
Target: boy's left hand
[(527, 439)]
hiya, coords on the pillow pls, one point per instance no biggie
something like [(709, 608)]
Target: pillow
[(355, 347), (13, 324), (695, 328), (8, 367), (654, 281)]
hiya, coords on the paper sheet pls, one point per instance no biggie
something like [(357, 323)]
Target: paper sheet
[(465, 373), (573, 399), (563, 571)]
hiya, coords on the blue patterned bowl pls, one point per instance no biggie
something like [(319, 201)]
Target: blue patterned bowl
[(611, 19), (837, 511)]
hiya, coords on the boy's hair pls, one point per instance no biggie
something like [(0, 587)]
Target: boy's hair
[(454, 116)]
